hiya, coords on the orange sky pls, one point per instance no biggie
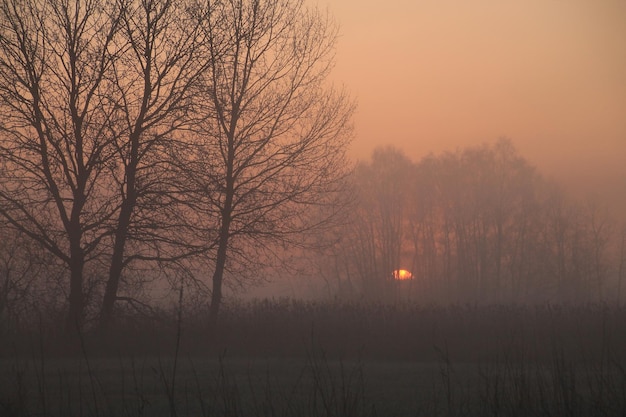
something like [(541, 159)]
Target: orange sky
[(433, 75)]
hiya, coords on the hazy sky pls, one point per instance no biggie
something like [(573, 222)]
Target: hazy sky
[(433, 75)]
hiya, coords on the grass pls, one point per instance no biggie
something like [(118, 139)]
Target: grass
[(295, 359)]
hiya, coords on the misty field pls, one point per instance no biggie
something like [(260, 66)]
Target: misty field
[(287, 358)]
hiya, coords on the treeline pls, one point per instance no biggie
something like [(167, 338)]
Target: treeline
[(478, 225)]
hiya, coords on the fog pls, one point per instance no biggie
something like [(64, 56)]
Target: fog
[(312, 208), (436, 76), (480, 224)]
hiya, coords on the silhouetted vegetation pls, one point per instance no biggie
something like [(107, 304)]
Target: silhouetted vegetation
[(286, 357), (478, 225), (163, 139)]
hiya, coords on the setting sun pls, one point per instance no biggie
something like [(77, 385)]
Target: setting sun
[(402, 274)]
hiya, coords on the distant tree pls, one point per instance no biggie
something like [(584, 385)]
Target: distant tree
[(270, 150), (598, 235), (477, 224), (500, 197), (425, 230), (580, 244), (376, 235)]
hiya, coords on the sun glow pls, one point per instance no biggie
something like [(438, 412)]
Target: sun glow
[(402, 274)]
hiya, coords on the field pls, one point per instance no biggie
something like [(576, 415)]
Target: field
[(287, 358)]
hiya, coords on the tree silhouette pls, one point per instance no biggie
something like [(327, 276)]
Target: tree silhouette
[(154, 79), (94, 93), (270, 151), (54, 57)]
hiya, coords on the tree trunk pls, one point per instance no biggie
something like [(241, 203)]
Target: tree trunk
[(76, 311), (222, 250), (121, 236), (220, 262), (116, 267), (218, 278)]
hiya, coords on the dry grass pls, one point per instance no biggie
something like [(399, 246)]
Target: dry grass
[(295, 359)]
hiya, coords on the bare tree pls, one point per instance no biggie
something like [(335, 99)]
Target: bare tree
[(474, 224), (94, 94), (53, 59), (272, 146), (153, 88), (377, 234), (598, 236)]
